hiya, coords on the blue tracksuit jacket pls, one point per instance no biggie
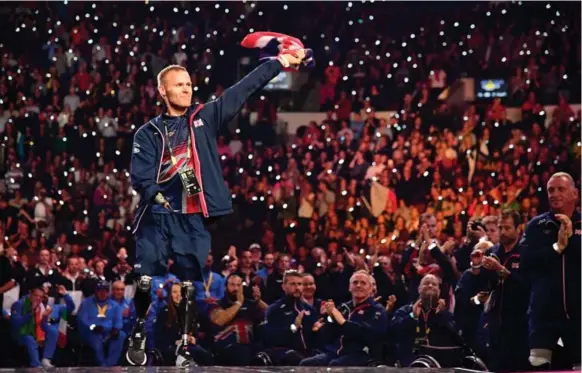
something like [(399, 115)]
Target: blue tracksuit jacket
[(204, 122), (554, 278), (280, 315), (88, 315), (363, 332)]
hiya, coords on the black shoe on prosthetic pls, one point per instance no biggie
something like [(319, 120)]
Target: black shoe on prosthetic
[(136, 351)]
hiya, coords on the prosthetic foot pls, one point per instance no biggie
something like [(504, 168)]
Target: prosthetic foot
[(136, 351), (187, 314)]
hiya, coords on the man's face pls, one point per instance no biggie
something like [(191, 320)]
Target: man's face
[(284, 263), (246, 259), (561, 193), (492, 233), (36, 297), (308, 287), (233, 286), (209, 262), (293, 286), (269, 260), (99, 268), (118, 291), (360, 286), (101, 294), (73, 266), (429, 289), (256, 256), (177, 89), (384, 263), (44, 257), (507, 231), (431, 224)]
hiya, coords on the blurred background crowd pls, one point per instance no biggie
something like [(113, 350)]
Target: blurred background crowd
[(342, 194)]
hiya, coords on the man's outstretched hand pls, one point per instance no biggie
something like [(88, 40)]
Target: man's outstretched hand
[(291, 58)]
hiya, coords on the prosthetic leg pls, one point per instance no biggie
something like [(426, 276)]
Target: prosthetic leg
[(136, 351), (187, 315)]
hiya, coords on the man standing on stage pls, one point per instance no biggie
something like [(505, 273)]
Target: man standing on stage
[(176, 170)]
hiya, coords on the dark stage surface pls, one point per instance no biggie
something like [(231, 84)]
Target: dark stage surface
[(217, 369)]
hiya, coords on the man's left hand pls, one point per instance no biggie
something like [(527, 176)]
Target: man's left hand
[(492, 264)]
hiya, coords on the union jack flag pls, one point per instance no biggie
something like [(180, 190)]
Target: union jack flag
[(169, 170), (240, 331)]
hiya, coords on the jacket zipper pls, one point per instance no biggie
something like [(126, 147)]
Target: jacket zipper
[(359, 308)]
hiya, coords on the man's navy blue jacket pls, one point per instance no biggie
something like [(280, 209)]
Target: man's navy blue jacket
[(554, 278), (205, 121), (363, 332), (279, 317), (439, 328)]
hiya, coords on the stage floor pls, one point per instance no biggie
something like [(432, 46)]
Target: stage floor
[(217, 369)]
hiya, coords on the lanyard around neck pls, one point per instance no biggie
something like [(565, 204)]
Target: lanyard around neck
[(172, 156)]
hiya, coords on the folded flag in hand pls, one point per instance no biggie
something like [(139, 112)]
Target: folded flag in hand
[(274, 43)]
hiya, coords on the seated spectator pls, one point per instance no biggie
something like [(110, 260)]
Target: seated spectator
[(425, 322), (357, 330), (126, 305), (34, 324), (234, 318), (309, 290), (212, 285), (274, 290), (166, 333), (43, 271), (268, 267), (100, 325), (289, 322)]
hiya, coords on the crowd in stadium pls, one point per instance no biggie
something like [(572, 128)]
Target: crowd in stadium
[(416, 206)]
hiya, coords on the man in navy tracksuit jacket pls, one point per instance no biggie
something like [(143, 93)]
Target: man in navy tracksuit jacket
[(352, 334), (507, 305), (550, 258), (289, 322), (176, 170), (423, 323)]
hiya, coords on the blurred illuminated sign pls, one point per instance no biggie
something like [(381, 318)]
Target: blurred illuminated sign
[(491, 88)]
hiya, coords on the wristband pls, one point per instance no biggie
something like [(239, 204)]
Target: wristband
[(556, 247), (293, 328), (411, 314), (476, 301), (238, 302)]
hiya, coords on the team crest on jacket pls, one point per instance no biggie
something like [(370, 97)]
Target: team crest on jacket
[(198, 123)]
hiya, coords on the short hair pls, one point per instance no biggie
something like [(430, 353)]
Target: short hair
[(362, 272), (511, 214), (281, 256), (162, 74), (231, 275), (565, 175), (425, 217), (490, 219), (437, 278), (291, 273)]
